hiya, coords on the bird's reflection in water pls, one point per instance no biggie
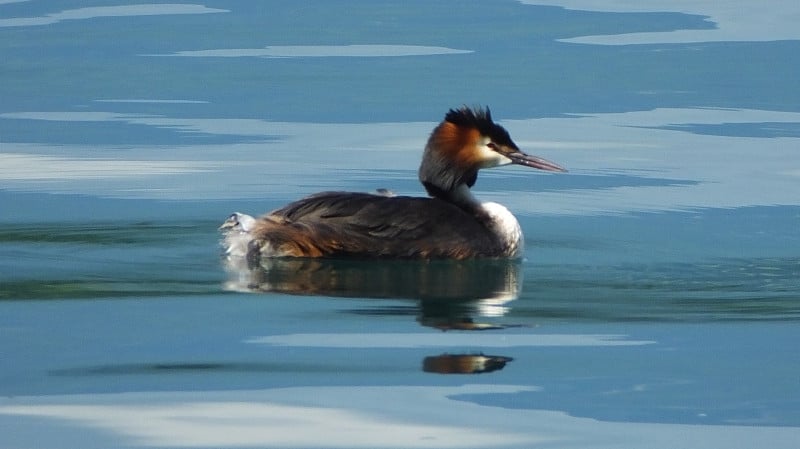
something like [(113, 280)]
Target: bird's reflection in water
[(464, 363), (448, 295)]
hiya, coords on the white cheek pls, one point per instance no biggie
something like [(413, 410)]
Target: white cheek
[(497, 159), (490, 158)]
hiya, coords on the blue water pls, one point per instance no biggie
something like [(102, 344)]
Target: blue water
[(657, 304)]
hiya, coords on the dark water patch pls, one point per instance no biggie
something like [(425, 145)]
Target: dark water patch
[(178, 368), (44, 289), (583, 307), (358, 278), (109, 260), (575, 243), (754, 129), (101, 234), (764, 289)]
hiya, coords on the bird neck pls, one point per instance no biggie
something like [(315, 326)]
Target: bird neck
[(460, 195), (445, 178)]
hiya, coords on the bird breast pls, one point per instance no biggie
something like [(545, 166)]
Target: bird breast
[(505, 227)]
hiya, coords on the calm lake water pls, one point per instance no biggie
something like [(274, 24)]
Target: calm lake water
[(657, 305)]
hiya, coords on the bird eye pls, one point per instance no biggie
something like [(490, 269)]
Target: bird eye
[(492, 145)]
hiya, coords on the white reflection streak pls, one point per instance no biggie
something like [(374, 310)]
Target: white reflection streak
[(347, 417), (263, 424), (420, 340), (26, 167), (149, 101), (321, 51), (734, 20), (109, 11), (709, 171)]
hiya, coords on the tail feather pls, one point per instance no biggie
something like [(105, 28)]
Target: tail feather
[(236, 234)]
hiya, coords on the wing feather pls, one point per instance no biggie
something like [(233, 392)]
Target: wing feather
[(335, 224)]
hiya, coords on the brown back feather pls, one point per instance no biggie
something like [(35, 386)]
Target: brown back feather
[(344, 224)]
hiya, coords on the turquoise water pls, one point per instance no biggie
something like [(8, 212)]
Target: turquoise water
[(657, 304)]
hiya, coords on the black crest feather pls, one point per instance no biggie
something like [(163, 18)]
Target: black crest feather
[(480, 119)]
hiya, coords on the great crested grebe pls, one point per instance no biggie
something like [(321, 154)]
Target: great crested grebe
[(451, 224)]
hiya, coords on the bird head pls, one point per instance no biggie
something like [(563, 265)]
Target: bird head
[(466, 141)]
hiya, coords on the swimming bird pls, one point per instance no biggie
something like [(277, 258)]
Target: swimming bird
[(450, 224)]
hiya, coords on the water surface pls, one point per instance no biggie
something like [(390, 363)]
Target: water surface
[(657, 304)]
